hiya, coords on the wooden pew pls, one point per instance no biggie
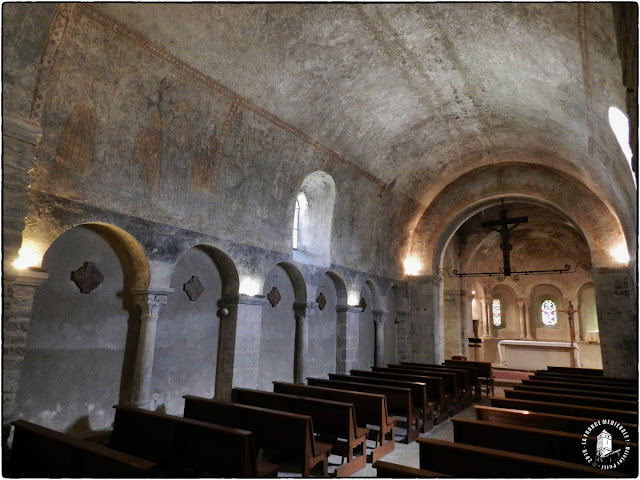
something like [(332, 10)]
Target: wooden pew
[(399, 400), (469, 461), (565, 377), (594, 387), (485, 372), (622, 416), (598, 372), (452, 392), (572, 391), (393, 470), (279, 434), (334, 422), (537, 441), (184, 447), (572, 399), (435, 388), (549, 421), (371, 411), (418, 391), (465, 386), (39, 452)]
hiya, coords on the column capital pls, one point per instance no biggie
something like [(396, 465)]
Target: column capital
[(304, 310), (231, 300), (31, 277), (379, 317), (151, 299), (348, 309)]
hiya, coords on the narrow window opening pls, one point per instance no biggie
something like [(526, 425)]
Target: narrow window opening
[(296, 224), (497, 312), (620, 125)]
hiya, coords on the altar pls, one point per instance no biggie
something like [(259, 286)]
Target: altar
[(537, 355)]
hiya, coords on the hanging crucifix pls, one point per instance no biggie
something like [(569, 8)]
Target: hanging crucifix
[(503, 227)]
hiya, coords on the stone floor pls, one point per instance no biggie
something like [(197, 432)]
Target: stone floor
[(408, 454)]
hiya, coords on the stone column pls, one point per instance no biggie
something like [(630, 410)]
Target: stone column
[(16, 329), (521, 318), (489, 317), (379, 319), (527, 319), (486, 332), (150, 301), (303, 312), (347, 341), (238, 343), (403, 336)]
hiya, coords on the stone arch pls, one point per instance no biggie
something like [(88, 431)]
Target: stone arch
[(81, 349), (315, 220), (188, 330), (340, 286), (283, 287), (548, 291)]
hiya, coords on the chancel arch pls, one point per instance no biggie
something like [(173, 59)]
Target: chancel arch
[(82, 339), (187, 334)]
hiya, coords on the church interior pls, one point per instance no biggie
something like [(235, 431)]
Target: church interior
[(205, 197)]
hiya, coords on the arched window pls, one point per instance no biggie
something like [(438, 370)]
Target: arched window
[(497, 312), (296, 222), (549, 313), (313, 220)]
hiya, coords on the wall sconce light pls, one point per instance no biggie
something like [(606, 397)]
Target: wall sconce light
[(411, 266), (28, 256), (249, 287)]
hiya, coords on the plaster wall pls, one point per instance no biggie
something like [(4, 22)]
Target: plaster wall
[(77, 364), (395, 303), (322, 332), (187, 336)]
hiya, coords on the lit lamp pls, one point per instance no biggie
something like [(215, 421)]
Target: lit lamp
[(249, 287), (620, 254), (28, 257)]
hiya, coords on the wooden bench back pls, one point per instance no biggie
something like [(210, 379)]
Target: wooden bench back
[(418, 389), (178, 443), (586, 392), (594, 387), (460, 460), (329, 417), (598, 372), (572, 399), (550, 421), (449, 379), (282, 431), (371, 408), (435, 389), (622, 416), (536, 441), (394, 470), (484, 369), (565, 377), (39, 452), (462, 374)]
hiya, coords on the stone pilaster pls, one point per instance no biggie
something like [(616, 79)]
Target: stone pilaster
[(527, 319), (379, 319), (616, 303), (303, 312), (403, 336), (348, 336), (239, 344), (521, 319), (15, 330), (149, 301)]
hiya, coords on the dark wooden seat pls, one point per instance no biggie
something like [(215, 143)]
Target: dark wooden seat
[(593, 387), (586, 392), (484, 372), (435, 389), (623, 416), (184, 447), (549, 421), (371, 411), (39, 452), (393, 470), (591, 401), (334, 422), (470, 461), (451, 382), (552, 444), (399, 400), (598, 372), (281, 435)]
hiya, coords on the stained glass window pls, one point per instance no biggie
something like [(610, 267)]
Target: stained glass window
[(549, 315), (497, 312)]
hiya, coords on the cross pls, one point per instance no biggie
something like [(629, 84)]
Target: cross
[(572, 331), (504, 230)]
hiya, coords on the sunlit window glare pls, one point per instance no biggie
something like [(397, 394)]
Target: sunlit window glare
[(249, 286), (620, 254), (27, 257), (620, 126), (412, 266)]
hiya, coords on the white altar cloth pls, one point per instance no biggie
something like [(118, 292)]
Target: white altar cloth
[(537, 355)]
